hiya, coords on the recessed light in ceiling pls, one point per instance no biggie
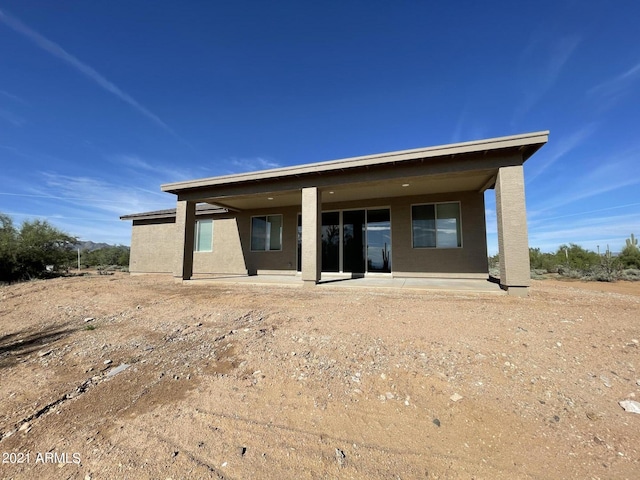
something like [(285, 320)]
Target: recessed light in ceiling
[(269, 198), (405, 184), (331, 193)]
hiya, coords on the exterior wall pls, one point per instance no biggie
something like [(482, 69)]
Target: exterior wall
[(469, 260), (283, 261), (153, 243), (153, 246), (227, 256)]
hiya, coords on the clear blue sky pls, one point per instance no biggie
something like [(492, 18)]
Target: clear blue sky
[(101, 102)]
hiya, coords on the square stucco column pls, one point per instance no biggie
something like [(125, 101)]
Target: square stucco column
[(513, 240), (311, 247), (185, 228)]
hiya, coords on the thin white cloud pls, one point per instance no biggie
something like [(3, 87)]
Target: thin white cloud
[(558, 149), (457, 132), (12, 118), (163, 174), (11, 96), (60, 53), (580, 214), (614, 89), (589, 232), (249, 164), (114, 198), (555, 54)]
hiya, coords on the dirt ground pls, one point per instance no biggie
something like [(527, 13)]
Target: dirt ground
[(238, 382)]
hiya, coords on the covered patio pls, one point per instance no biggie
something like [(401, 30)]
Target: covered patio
[(381, 283), (406, 189)]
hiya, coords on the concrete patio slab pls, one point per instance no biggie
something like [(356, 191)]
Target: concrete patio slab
[(368, 282)]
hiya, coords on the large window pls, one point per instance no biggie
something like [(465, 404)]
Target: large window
[(266, 233), (204, 236), (436, 225)]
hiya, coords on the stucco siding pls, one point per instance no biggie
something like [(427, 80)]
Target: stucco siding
[(153, 246), (471, 258), (279, 260), (154, 242), (227, 256)]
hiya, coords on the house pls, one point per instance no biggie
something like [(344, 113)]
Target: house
[(410, 213)]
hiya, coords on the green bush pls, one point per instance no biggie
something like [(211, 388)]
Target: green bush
[(630, 257), (106, 256), (26, 253)]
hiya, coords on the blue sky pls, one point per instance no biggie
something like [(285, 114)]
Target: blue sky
[(101, 102)]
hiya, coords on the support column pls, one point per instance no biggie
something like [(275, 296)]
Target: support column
[(513, 240), (311, 244), (185, 228)]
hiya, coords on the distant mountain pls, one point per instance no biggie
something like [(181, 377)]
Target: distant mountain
[(90, 246)]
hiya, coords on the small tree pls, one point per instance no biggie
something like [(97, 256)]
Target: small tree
[(576, 257), (41, 244), (8, 248)]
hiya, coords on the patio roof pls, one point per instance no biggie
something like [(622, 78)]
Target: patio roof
[(526, 144), (467, 166)]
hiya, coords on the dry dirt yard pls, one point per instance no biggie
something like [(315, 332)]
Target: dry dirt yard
[(238, 382)]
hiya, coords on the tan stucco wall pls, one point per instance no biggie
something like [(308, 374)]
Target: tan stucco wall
[(226, 256), (284, 260), (470, 259), (153, 246)]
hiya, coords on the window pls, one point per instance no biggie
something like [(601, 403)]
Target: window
[(266, 233), (436, 225), (204, 236)]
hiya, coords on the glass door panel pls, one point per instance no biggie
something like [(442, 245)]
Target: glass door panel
[(353, 235), (299, 238), (330, 242), (379, 241)]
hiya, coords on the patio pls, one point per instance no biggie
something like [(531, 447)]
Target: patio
[(468, 285)]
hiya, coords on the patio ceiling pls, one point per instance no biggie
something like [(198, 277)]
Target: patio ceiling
[(398, 187)]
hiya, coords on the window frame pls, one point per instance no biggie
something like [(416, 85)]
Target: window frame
[(267, 244), (435, 204), (198, 224)]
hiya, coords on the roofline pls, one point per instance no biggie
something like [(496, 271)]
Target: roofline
[(535, 140), (171, 212)]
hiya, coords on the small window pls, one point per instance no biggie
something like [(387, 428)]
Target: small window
[(204, 236), (266, 233), (436, 225)]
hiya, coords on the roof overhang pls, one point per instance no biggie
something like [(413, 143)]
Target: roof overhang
[(171, 213), (524, 146), (467, 166)]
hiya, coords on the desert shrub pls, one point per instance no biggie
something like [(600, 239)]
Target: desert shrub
[(630, 274), (111, 255), (542, 261), (630, 257), (576, 257), (571, 272)]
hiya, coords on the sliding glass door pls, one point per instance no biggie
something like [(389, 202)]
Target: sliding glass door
[(379, 241), (353, 241)]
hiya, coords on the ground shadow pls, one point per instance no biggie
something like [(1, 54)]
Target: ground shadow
[(15, 345), (342, 279)]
